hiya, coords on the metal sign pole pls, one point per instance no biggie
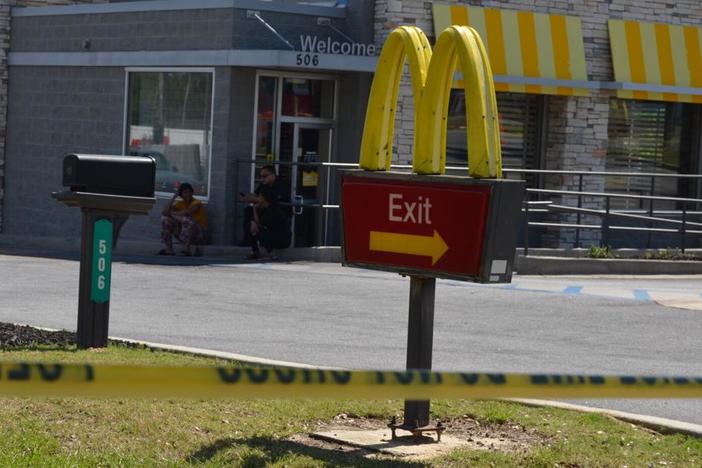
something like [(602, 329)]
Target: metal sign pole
[(420, 340)]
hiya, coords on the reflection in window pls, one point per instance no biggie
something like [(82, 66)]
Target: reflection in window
[(308, 98), (653, 137), (518, 119), (265, 119), (169, 119)]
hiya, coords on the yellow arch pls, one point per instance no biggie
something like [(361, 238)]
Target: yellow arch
[(458, 45), (431, 82), (405, 41)]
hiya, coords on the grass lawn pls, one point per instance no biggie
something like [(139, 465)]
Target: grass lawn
[(125, 432)]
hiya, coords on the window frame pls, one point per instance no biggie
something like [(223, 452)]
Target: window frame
[(125, 123)]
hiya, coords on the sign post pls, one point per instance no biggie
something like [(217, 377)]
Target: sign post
[(95, 277), (420, 340), (426, 224)]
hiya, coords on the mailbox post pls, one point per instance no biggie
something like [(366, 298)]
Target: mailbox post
[(107, 189)]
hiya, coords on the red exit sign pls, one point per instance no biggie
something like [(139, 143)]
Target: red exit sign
[(440, 226)]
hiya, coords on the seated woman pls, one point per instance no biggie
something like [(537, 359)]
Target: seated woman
[(270, 227), (185, 219)]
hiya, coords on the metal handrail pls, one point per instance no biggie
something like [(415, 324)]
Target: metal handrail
[(618, 214), (648, 215), (601, 173), (614, 195)]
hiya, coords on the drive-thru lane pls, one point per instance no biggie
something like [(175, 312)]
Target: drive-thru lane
[(324, 314)]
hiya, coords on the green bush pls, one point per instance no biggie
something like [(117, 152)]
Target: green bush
[(601, 252)]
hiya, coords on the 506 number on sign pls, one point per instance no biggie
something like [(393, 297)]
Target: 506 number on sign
[(307, 60)]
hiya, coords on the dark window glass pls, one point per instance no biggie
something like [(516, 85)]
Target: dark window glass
[(265, 120), (652, 137), (169, 119), (518, 119), (303, 97)]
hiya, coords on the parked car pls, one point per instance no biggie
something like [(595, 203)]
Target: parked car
[(168, 178)]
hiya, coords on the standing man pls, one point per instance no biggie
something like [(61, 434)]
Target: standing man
[(185, 219), (274, 187)]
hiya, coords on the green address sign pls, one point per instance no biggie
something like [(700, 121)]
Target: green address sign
[(102, 261)]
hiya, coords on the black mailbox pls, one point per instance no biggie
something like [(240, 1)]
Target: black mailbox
[(107, 189), (131, 176)]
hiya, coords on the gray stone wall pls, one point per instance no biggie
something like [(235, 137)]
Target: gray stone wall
[(5, 34), (41, 3), (4, 47), (241, 127), (577, 126), (151, 30), (54, 111), (225, 28)]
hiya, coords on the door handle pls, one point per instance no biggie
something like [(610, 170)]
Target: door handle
[(298, 200)]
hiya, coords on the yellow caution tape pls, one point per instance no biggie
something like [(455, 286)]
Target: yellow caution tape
[(87, 380)]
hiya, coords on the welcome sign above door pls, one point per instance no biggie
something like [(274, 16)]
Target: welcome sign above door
[(315, 45)]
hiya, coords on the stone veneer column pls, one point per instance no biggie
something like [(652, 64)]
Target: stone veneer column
[(5, 30), (577, 127), (389, 14)]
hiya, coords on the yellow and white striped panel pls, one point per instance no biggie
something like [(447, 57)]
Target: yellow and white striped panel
[(524, 44), (656, 54)]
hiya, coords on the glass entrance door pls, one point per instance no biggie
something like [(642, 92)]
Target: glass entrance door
[(305, 146), (295, 119)]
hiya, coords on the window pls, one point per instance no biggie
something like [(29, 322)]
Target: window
[(304, 97), (653, 137), (280, 101), (169, 117), (265, 118), (519, 127)]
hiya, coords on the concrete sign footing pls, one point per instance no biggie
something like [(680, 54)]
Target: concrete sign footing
[(380, 440)]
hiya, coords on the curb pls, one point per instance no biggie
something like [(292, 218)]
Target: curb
[(533, 265), (52, 246), (215, 354), (662, 425)]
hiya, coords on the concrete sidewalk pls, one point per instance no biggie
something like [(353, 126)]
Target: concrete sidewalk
[(538, 262), (70, 247)]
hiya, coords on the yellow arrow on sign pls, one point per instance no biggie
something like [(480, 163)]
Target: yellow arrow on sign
[(409, 244)]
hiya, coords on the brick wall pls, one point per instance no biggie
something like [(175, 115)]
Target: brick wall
[(577, 126), (5, 6)]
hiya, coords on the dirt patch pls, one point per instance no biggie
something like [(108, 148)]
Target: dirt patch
[(472, 434), (505, 437), (20, 336)]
